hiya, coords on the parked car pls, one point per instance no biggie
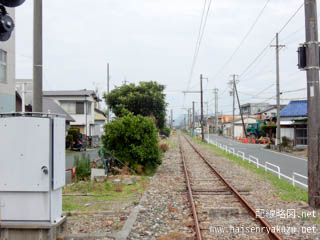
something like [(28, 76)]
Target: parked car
[(198, 130), (81, 143)]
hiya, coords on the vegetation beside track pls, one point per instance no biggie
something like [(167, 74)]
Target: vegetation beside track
[(284, 189)]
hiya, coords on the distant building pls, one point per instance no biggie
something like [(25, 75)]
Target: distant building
[(7, 72), (254, 108), (293, 121), (80, 105)]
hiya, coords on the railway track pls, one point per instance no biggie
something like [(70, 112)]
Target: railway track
[(219, 210)]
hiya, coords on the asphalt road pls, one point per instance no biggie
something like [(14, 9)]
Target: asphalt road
[(288, 164)]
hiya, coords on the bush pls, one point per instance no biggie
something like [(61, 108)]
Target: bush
[(133, 140), (83, 167), (286, 141), (269, 129), (69, 140), (164, 147), (165, 131), (75, 133)]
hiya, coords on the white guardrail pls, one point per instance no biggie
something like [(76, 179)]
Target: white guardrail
[(267, 166)]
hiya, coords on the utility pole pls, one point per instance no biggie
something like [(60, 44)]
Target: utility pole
[(312, 53), (171, 119), (233, 103), (37, 56), (243, 125), (188, 118), (108, 89), (193, 118), (277, 46), (201, 100), (215, 91)]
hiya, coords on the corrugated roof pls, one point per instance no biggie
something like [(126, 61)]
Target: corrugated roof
[(295, 109)]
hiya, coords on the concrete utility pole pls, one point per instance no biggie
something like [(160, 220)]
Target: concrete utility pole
[(193, 117), (215, 91), (37, 56), (188, 118), (278, 47), (108, 89), (201, 100), (243, 125), (233, 103), (171, 119), (312, 53)]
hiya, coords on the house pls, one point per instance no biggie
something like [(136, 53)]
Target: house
[(7, 72), (294, 120), (80, 105), (99, 121), (254, 108), (238, 126), (48, 106), (269, 113)]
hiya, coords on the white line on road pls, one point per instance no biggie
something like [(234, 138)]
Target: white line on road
[(285, 155)]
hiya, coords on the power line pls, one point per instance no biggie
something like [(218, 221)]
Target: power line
[(267, 46), (243, 39), (202, 27)]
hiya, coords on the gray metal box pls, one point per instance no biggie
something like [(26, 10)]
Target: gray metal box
[(32, 167)]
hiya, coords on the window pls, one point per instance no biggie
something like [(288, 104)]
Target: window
[(3, 66), (69, 107), (80, 108)]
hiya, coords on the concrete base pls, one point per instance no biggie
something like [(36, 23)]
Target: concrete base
[(31, 230)]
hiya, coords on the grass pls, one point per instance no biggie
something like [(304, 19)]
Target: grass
[(284, 189), (105, 196), (171, 143)]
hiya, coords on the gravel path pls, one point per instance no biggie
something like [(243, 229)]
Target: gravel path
[(165, 211)]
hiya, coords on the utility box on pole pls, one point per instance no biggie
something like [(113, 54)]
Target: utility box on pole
[(32, 171)]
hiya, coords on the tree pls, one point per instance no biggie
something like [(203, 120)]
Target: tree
[(146, 99), (133, 140)]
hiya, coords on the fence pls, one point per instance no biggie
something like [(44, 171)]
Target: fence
[(266, 166)]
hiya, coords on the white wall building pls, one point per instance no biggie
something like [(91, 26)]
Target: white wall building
[(80, 105), (7, 72)]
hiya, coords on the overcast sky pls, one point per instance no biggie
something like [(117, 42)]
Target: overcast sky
[(155, 40)]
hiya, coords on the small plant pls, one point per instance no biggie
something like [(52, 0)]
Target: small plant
[(108, 186), (83, 167), (165, 131), (69, 214), (286, 141)]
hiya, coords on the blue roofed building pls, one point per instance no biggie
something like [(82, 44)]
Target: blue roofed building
[(293, 121)]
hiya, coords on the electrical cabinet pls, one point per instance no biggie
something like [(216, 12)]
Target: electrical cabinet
[(32, 167)]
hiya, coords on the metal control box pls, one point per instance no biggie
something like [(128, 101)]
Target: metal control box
[(32, 167)]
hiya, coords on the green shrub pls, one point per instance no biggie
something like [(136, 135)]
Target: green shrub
[(269, 129), (165, 131), (75, 133), (286, 141), (69, 140), (83, 167), (133, 140)]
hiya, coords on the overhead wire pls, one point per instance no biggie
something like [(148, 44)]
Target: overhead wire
[(243, 40), (267, 46)]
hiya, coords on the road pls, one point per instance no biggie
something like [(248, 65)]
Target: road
[(287, 163)]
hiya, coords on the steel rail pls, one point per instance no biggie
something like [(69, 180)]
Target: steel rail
[(191, 200), (265, 224)]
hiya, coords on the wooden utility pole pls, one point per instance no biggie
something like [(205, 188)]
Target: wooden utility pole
[(215, 91), (201, 100), (312, 53), (108, 88), (37, 56), (243, 125), (193, 118), (277, 47)]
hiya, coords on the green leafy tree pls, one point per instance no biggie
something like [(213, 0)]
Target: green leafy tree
[(133, 140), (146, 99)]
